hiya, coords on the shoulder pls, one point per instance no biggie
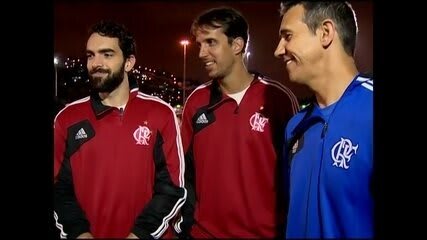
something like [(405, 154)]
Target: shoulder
[(201, 91), (361, 94), (295, 119), (365, 84), (155, 103), (199, 97), (73, 109), (275, 86), (279, 92)]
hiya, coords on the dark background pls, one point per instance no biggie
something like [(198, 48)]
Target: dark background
[(158, 27)]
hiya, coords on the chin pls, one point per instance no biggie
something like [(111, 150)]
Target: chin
[(297, 80), (215, 75), (294, 78), (212, 75)]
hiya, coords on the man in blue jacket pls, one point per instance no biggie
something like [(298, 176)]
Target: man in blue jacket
[(329, 144)]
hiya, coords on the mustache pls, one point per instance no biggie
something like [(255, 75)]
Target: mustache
[(99, 70)]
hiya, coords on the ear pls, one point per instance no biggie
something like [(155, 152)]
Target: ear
[(237, 45), (130, 62), (327, 32)]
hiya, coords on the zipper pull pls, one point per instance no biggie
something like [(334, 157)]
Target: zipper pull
[(121, 113), (236, 110), (325, 128)]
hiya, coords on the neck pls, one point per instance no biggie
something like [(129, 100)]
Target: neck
[(333, 79), (238, 79), (118, 96)]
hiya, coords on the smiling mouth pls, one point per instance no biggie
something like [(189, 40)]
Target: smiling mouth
[(288, 61), (99, 74), (208, 63)]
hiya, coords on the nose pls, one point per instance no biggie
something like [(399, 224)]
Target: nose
[(280, 49), (202, 52), (95, 62)]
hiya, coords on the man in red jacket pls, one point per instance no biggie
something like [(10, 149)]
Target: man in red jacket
[(232, 131), (118, 169)]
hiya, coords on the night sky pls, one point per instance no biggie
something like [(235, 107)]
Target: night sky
[(158, 26)]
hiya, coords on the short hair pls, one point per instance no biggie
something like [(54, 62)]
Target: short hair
[(231, 21), (112, 29), (340, 12)]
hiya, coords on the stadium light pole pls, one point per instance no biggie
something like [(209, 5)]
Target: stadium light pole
[(184, 43), (55, 62)]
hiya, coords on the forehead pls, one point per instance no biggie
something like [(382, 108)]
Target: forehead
[(205, 32), (97, 42), (293, 16)]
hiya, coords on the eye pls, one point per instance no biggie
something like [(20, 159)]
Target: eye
[(211, 42), (89, 56), (108, 55), (287, 36)]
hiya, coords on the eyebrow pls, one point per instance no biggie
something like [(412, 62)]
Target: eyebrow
[(205, 40), (103, 50), (209, 39), (283, 31)]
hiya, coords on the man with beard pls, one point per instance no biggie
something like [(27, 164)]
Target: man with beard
[(118, 167), (232, 136)]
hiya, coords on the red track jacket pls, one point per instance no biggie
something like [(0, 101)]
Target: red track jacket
[(232, 154), (117, 171)]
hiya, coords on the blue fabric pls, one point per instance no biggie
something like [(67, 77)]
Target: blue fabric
[(330, 171)]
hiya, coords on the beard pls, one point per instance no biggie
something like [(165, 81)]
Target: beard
[(107, 83)]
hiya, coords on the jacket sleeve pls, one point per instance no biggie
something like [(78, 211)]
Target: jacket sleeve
[(288, 108), (169, 192), (184, 222), (69, 217)]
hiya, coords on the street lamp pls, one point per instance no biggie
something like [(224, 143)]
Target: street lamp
[(55, 62), (184, 43)]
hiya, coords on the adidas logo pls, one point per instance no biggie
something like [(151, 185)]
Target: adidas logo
[(80, 134), (202, 119)]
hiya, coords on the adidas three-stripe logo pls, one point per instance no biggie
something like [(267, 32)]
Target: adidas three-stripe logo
[(202, 119), (80, 134)]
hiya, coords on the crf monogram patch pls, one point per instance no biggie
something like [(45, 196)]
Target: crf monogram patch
[(258, 122), (341, 153), (142, 135)]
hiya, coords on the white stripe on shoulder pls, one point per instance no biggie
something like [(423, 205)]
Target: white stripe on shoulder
[(368, 86), (134, 89), (368, 83), (82, 100), (291, 95), (365, 79)]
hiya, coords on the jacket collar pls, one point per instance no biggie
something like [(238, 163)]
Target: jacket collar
[(100, 109), (313, 115), (216, 95)]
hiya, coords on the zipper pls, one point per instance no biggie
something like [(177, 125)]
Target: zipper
[(121, 114), (325, 128)]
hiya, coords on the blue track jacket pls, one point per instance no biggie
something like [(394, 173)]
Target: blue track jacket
[(330, 167)]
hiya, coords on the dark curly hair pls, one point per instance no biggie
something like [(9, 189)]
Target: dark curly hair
[(112, 29)]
